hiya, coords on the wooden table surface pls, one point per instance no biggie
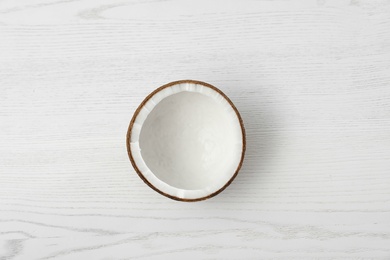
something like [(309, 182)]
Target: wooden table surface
[(310, 78)]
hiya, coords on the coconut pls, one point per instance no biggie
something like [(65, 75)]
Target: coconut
[(186, 140)]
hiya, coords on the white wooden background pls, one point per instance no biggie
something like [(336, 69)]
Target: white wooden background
[(310, 78)]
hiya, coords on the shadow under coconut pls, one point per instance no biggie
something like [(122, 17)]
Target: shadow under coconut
[(260, 121)]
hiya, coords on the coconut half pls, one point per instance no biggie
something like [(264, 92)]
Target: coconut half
[(186, 140)]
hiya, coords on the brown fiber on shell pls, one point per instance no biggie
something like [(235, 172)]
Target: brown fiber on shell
[(128, 136)]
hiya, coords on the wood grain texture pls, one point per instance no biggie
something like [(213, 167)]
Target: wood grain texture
[(311, 80)]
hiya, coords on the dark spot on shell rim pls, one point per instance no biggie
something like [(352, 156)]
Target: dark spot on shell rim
[(128, 136)]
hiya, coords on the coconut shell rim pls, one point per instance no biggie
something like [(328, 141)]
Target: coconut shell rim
[(135, 115)]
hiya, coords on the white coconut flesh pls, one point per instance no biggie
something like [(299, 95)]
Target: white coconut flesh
[(187, 141)]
